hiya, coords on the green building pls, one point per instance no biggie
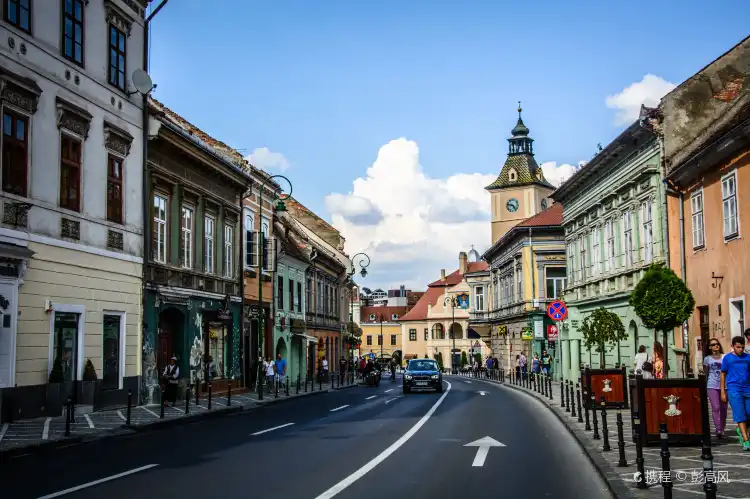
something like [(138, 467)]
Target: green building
[(614, 224)]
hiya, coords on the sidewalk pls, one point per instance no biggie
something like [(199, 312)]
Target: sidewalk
[(28, 436), (730, 463)]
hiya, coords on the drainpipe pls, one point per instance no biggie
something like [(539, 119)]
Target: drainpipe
[(670, 190), (241, 274), (533, 290)]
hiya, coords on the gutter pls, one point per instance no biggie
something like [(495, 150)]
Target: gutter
[(669, 190)]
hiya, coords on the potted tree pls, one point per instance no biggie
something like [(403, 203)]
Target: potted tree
[(602, 327), (88, 384), (56, 394), (663, 302), (602, 330), (440, 361)]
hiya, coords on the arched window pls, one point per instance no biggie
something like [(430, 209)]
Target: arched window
[(438, 332)]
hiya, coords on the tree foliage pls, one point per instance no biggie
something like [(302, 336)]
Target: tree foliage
[(601, 327), (661, 300), (440, 360), (478, 358), (56, 375), (89, 372), (464, 359)]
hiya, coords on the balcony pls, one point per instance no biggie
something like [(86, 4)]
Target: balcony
[(323, 321), (479, 316), (186, 278)]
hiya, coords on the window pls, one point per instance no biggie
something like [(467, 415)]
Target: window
[(696, 210), (65, 343), (369, 340), (208, 232), (394, 317), (412, 335), (70, 173), (266, 245), (555, 277), (280, 292), (114, 189), (291, 295), (228, 251), (380, 340), (249, 241), (426, 335), (372, 317), (438, 332), (112, 324), (609, 233), (596, 251), (572, 261), (479, 299), (648, 232), (308, 296), (15, 153), (520, 284), (72, 30), (627, 219), (186, 238), (319, 297), (117, 57), (393, 340), (18, 14), (729, 205), (298, 297), (582, 253), (159, 237)]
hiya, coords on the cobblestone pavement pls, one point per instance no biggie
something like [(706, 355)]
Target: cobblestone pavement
[(731, 465), (30, 433)]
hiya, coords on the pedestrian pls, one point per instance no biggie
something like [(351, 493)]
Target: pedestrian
[(642, 363), (747, 340), (342, 367), (535, 364), (518, 366), (524, 365), (658, 370), (324, 365), (269, 369), (735, 387), (546, 362), (280, 367), (712, 364), (172, 379)]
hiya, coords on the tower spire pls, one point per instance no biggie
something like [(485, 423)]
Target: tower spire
[(519, 110)]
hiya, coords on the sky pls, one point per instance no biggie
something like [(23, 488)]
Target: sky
[(389, 118)]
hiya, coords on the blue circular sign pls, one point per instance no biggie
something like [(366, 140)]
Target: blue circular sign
[(557, 310)]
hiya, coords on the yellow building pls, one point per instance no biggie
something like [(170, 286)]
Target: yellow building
[(381, 339), (439, 322)]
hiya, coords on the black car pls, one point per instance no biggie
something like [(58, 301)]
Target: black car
[(422, 374)]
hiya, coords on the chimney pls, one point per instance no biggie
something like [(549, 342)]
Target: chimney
[(442, 274), (462, 266)]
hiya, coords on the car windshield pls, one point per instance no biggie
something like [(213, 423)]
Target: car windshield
[(422, 365)]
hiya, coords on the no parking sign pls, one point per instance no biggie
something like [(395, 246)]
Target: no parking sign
[(557, 310)]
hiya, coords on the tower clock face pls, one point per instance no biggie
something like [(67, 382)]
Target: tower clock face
[(544, 204), (512, 205)]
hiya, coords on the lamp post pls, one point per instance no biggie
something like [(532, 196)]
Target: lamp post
[(279, 208), (380, 338), (451, 300), (349, 275)]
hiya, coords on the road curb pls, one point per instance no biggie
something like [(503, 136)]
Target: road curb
[(611, 477), (183, 420), (280, 400)]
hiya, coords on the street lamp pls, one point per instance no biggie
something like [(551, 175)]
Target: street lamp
[(453, 302), (380, 338), (349, 275), (279, 208)]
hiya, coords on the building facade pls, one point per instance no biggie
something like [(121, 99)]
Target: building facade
[(192, 296), (72, 206), (438, 325), (381, 331), (613, 219), (705, 123)]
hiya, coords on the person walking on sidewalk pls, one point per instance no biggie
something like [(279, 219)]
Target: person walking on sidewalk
[(269, 369), (280, 370), (172, 379), (524, 365), (642, 363), (546, 362), (735, 387), (712, 365), (535, 364)]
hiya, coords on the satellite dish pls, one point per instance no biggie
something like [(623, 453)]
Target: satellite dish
[(142, 81)]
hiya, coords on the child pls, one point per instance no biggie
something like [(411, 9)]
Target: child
[(735, 387)]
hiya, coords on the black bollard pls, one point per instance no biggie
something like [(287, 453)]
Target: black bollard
[(163, 403), (639, 461), (197, 392), (276, 387), (299, 378), (578, 402), (130, 405), (585, 397), (622, 462), (567, 396), (572, 400), (286, 386), (593, 416), (709, 486), (209, 395), (305, 383), (68, 407), (187, 400), (665, 467), (229, 393), (320, 381), (605, 430), (549, 387), (562, 393)]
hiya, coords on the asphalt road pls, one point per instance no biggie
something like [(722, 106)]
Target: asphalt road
[(354, 443)]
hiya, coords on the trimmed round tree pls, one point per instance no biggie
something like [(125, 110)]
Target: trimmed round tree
[(663, 302), (602, 327)]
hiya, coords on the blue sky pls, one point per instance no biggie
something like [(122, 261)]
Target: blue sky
[(326, 84)]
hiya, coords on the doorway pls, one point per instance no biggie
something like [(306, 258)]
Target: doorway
[(737, 316), (169, 338), (8, 290)]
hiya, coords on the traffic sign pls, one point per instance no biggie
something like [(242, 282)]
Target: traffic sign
[(552, 332), (557, 310)]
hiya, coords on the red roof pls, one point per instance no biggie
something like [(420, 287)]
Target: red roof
[(456, 277), (386, 311), (551, 216)]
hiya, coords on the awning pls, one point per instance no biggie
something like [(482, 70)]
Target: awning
[(473, 335), (9, 250)]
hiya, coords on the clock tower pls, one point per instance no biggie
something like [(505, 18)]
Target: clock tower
[(520, 191)]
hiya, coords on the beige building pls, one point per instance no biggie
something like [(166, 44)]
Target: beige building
[(438, 325)]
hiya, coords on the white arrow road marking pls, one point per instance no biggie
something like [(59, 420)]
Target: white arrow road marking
[(97, 482), (391, 400), (339, 408), (482, 393), (371, 397), (483, 448), (45, 430), (271, 429)]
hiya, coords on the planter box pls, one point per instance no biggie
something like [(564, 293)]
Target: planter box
[(612, 384), (686, 417)]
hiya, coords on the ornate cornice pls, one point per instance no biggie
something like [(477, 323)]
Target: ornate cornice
[(115, 16), (19, 91), (116, 139), (73, 118)]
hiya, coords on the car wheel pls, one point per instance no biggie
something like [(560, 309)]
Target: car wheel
[(406, 390), (439, 389)]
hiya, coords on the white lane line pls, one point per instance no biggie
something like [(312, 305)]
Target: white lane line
[(45, 431), (270, 429), (343, 484), (339, 408), (97, 482), (371, 397), (388, 390), (119, 413), (3, 429), (178, 409), (391, 400), (88, 420), (150, 411), (467, 382)]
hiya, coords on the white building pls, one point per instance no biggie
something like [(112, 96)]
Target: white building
[(72, 209)]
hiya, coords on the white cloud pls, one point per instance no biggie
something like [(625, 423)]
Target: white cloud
[(556, 175), (648, 91), (265, 159), (412, 225)]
